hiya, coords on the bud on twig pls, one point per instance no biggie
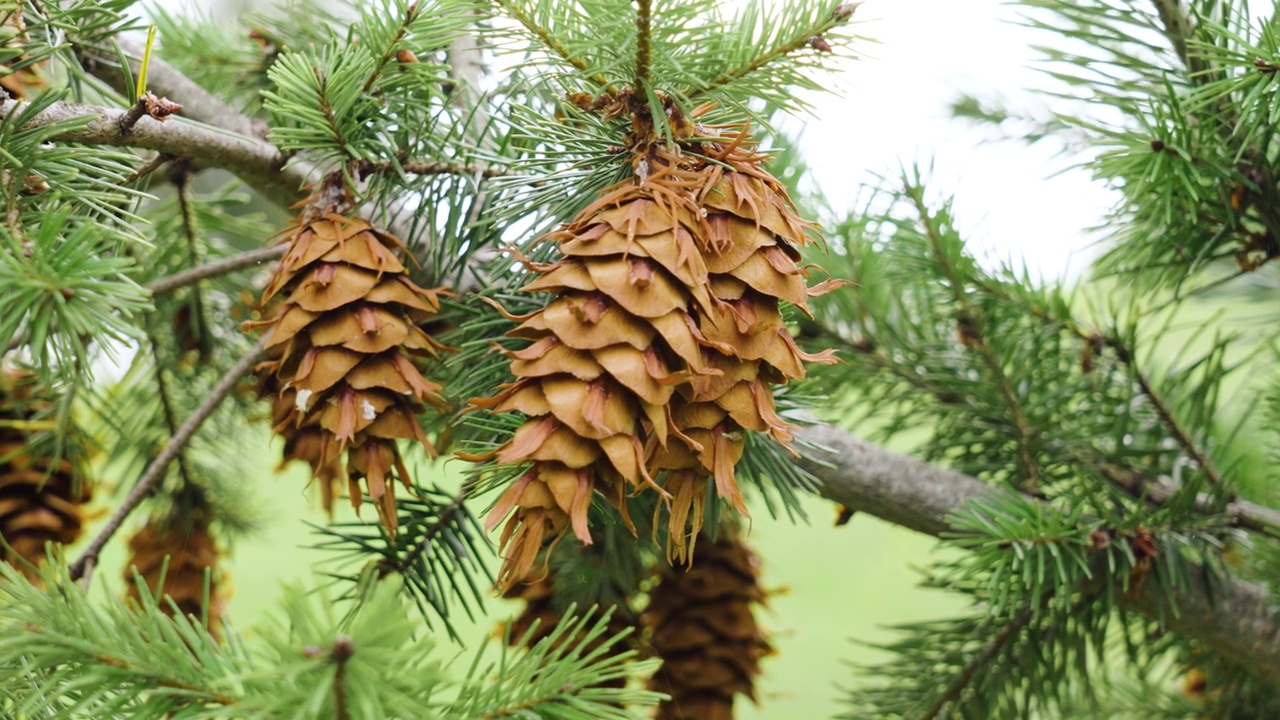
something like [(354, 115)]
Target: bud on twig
[(845, 11)]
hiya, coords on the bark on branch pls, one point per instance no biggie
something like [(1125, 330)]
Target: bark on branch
[(257, 162), (1239, 620)]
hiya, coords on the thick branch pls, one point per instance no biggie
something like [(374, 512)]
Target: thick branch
[(165, 80), (1237, 619), (258, 163)]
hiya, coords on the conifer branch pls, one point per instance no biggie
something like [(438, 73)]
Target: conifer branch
[(989, 653), (1125, 355), (1242, 513), (552, 43), (1178, 29), (1179, 433), (1236, 619), (163, 79), (445, 520), (972, 335), (257, 162), (182, 278), (800, 40), (166, 400), (82, 568)]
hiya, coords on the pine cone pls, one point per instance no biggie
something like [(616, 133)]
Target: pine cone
[(345, 348), (749, 245), (40, 496), (659, 349), (702, 627), (607, 355), (190, 550)]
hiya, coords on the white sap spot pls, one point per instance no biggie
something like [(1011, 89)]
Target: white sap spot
[(366, 408), (642, 171), (300, 402)]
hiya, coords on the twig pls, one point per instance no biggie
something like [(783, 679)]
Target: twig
[(132, 116), (169, 283), (644, 31), (433, 167), (150, 166), (971, 668), (1179, 433), (257, 162), (82, 568), (163, 79), (972, 333)]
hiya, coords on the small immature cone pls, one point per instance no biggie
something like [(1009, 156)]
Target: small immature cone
[(702, 626), (41, 497), (190, 550), (346, 345)]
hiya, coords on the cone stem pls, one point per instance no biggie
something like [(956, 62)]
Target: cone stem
[(644, 17), (82, 568)]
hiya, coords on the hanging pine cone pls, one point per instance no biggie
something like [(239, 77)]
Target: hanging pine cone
[(749, 243), (41, 496), (659, 348), (345, 348), (701, 625), (190, 550)]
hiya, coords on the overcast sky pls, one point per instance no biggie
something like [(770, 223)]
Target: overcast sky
[(894, 108)]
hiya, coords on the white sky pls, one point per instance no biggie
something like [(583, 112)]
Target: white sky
[(894, 110)]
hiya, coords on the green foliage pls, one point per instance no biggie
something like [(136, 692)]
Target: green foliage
[(1123, 439), (699, 51), (439, 551), (354, 98), (67, 657)]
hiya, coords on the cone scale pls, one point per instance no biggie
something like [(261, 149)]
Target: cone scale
[(345, 348), (700, 622), (660, 346), (179, 553), (41, 497)]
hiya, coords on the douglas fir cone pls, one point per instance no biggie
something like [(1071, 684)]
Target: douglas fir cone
[(345, 347), (662, 342)]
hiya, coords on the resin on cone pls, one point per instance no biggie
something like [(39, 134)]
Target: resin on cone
[(700, 622), (661, 344), (345, 348), (189, 550), (41, 496)]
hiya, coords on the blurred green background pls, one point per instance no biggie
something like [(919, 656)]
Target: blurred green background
[(830, 586)]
